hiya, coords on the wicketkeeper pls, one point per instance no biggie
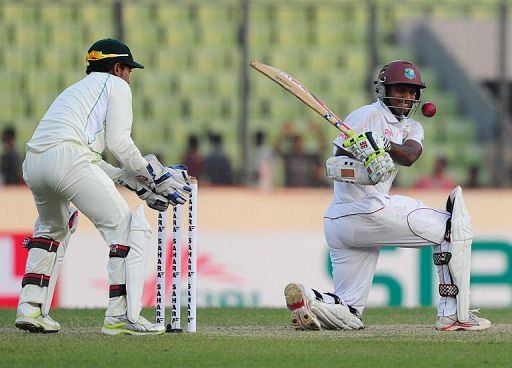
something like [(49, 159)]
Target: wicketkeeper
[(363, 216), (64, 165)]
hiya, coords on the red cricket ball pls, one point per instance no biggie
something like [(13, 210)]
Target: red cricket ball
[(428, 109)]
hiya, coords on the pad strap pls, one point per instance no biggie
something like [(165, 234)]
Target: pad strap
[(118, 250), (49, 245), (448, 231), (318, 295), (336, 298), (448, 290), (38, 279), (117, 290), (442, 258)]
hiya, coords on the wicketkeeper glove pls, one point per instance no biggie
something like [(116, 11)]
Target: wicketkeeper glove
[(172, 182), (363, 145), (380, 166), (153, 200)]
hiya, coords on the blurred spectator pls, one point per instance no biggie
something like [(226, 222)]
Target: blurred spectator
[(301, 168), (473, 179), (217, 165), (10, 163), (193, 158), (262, 168), (437, 178)]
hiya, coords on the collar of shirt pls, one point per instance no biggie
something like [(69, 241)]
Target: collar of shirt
[(388, 115)]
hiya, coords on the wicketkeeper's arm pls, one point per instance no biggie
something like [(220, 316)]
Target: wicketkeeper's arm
[(121, 177), (113, 172)]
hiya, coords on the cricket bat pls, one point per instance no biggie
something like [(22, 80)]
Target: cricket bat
[(297, 89)]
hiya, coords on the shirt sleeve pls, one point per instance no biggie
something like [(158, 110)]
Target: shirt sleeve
[(113, 172), (416, 132), (118, 128), (360, 121)]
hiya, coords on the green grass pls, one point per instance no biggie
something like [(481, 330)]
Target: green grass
[(394, 337)]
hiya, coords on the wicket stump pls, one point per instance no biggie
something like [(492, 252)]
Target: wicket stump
[(176, 251)]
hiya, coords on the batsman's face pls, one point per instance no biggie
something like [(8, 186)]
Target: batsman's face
[(401, 98)]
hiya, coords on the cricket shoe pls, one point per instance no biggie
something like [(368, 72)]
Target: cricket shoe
[(474, 323), (29, 318), (300, 307), (121, 325)]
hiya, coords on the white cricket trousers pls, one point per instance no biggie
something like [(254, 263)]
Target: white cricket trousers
[(66, 173), (354, 242)]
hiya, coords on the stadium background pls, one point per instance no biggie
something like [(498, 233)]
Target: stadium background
[(197, 80)]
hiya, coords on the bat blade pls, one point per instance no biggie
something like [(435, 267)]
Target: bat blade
[(300, 91)]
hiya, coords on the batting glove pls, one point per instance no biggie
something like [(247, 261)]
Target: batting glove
[(363, 145), (380, 166)]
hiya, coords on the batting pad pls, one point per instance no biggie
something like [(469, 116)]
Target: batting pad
[(138, 240), (335, 316), (460, 262), (44, 263)]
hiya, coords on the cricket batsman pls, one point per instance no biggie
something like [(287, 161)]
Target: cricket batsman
[(63, 165), (363, 217)]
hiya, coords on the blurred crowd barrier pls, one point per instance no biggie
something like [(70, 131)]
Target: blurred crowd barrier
[(252, 244)]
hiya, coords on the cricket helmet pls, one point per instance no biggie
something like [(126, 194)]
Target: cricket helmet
[(399, 72)]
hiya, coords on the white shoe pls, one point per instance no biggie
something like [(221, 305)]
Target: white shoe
[(29, 318), (121, 325), (474, 323), (300, 307)]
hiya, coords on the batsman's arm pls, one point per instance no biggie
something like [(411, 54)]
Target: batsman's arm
[(407, 153), (403, 154)]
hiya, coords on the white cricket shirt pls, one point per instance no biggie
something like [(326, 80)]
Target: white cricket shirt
[(379, 119), (94, 112)]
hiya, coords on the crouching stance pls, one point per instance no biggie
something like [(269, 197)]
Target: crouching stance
[(363, 217), (63, 165)]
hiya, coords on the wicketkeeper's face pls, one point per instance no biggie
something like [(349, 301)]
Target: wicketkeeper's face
[(122, 71)]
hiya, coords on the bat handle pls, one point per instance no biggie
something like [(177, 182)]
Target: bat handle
[(344, 129)]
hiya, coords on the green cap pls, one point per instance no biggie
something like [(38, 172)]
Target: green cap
[(114, 50)]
